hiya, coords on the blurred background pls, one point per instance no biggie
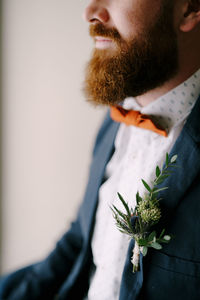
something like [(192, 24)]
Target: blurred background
[(47, 127)]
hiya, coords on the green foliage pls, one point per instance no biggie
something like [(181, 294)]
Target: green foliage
[(158, 171), (138, 198), (125, 204), (145, 250), (156, 246), (173, 159), (167, 160), (146, 186), (147, 212)]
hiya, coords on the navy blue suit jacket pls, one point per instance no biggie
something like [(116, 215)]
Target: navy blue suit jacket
[(172, 273)]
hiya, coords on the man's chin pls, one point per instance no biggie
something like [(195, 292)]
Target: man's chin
[(105, 52)]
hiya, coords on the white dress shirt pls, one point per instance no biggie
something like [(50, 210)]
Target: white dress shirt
[(137, 152)]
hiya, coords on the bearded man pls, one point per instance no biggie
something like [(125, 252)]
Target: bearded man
[(146, 58)]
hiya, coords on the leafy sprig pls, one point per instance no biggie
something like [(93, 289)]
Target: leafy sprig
[(137, 223)]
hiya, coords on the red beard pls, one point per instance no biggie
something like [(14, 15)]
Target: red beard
[(134, 67)]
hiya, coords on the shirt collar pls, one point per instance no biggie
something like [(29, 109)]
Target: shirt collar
[(173, 107)]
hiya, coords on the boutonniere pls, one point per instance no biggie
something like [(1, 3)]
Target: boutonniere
[(138, 222)]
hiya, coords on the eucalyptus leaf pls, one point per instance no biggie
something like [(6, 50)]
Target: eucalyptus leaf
[(161, 189), (157, 171), (146, 186), (151, 236), (173, 159), (156, 246), (167, 237), (144, 251), (167, 159)]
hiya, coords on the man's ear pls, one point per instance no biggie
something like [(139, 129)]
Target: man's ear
[(191, 15)]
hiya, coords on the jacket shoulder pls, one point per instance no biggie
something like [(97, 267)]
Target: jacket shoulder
[(104, 128)]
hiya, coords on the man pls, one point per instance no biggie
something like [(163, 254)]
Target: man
[(146, 58)]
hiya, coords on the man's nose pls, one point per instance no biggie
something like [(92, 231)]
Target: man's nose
[(95, 12)]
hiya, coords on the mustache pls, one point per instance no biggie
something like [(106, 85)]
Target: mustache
[(100, 29)]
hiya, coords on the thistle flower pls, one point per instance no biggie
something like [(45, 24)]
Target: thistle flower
[(151, 215)]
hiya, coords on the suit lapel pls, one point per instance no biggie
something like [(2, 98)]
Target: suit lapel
[(188, 162), (103, 152)]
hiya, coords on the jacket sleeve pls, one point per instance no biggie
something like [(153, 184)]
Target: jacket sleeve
[(41, 280)]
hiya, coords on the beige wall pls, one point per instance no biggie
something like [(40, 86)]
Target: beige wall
[(48, 128)]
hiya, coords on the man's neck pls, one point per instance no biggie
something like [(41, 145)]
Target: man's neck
[(154, 94)]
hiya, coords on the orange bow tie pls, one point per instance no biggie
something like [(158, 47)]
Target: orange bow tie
[(134, 117)]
